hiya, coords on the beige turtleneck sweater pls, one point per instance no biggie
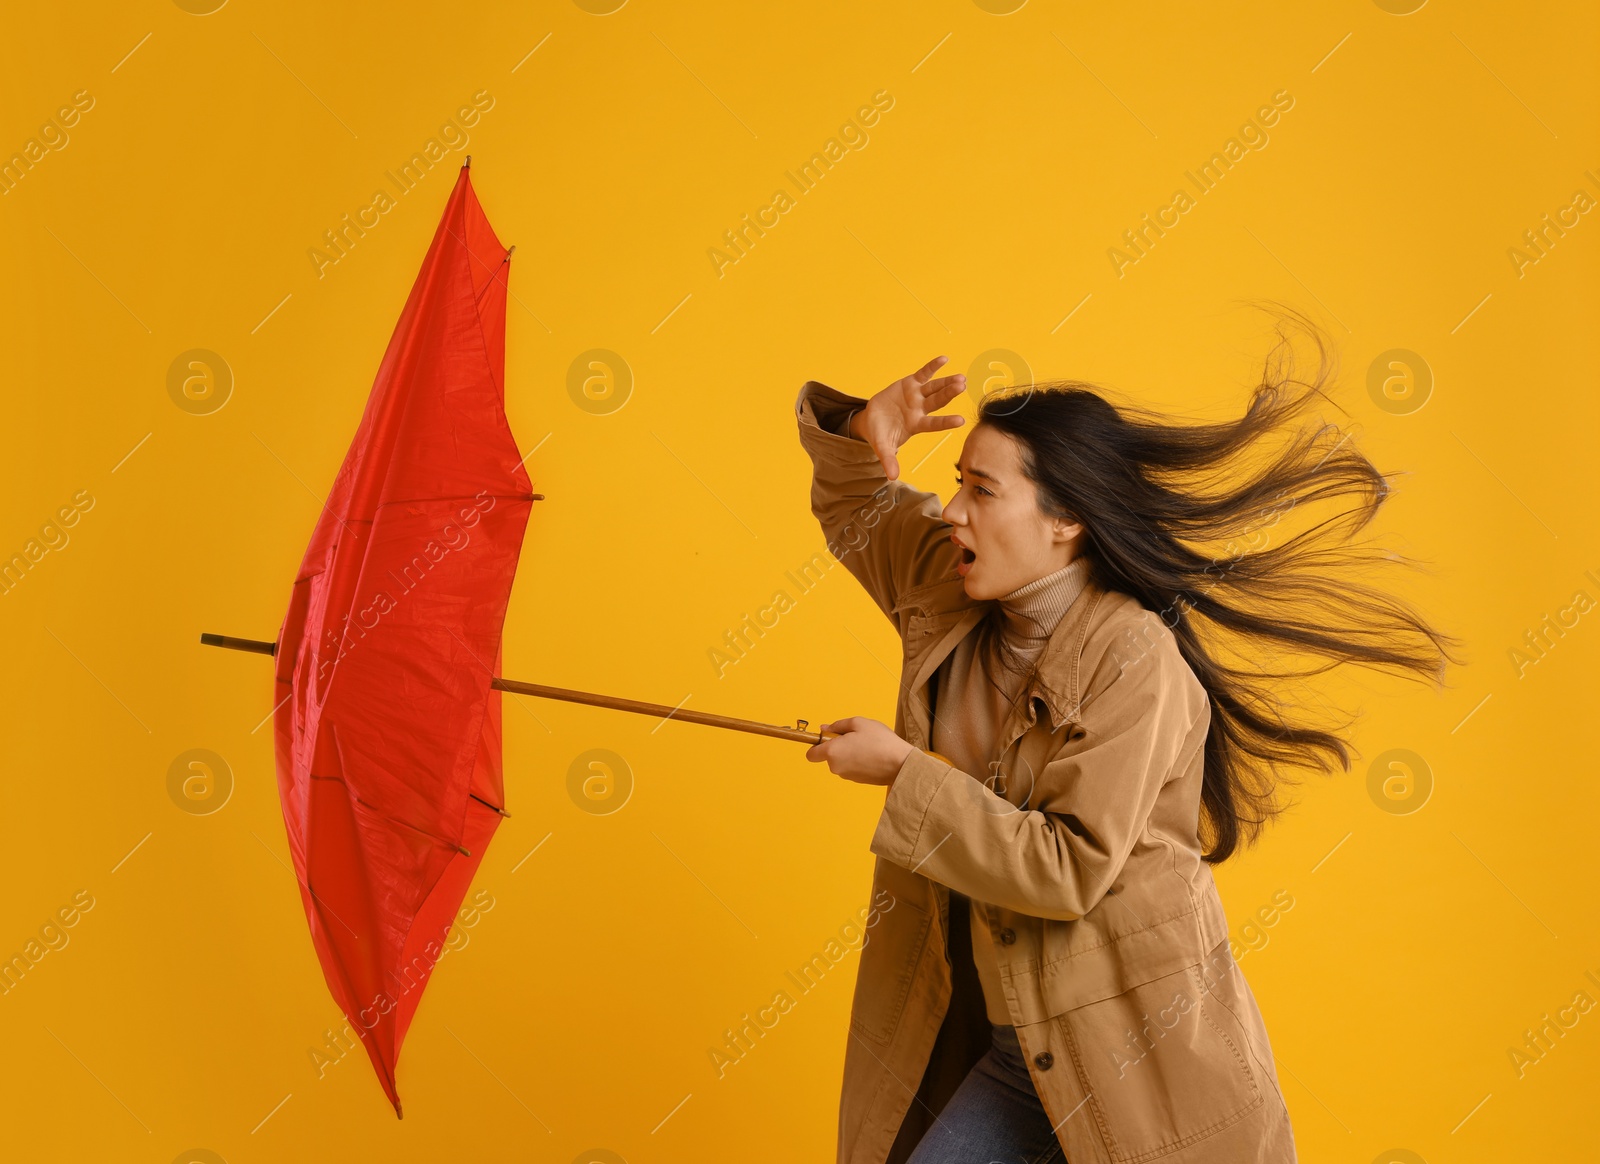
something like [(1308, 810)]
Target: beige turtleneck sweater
[(969, 715)]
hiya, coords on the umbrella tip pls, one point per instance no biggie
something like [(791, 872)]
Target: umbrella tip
[(398, 1114), (467, 165), (512, 251)]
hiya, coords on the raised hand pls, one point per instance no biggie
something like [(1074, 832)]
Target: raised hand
[(904, 408)]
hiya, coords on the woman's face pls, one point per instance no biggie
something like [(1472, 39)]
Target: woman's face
[(1008, 541)]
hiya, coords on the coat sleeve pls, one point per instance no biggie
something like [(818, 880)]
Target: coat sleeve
[(1141, 722), (889, 535)]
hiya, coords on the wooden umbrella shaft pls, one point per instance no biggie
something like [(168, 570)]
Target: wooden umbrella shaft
[(800, 733)]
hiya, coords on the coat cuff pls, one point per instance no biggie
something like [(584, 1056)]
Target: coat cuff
[(899, 836), (822, 413)]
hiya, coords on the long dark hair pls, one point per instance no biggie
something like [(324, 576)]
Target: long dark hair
[(1165, 507)]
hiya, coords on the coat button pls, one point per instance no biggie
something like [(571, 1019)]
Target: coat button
[(1043, 1060), (1007, 937)]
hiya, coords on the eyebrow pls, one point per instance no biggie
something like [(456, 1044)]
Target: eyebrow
[(976, 472)]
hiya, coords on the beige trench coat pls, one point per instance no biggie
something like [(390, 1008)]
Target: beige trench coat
[(1142, 1037)]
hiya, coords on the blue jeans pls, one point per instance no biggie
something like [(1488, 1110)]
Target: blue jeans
[(994, 1117)]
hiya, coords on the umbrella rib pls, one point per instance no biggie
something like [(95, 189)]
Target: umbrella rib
[(405, 824), (473, 497), (494, 275), (486, 804), (356, 796), (493, 279)]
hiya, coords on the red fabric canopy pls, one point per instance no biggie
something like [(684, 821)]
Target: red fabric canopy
[(387, 732)]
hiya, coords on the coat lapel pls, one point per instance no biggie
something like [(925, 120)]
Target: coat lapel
[(937, 616), (933, 619)]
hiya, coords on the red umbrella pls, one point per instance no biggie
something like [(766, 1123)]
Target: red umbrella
[(388, 734), (388, 704)]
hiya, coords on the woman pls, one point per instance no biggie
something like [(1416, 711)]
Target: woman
[(1053, 980)]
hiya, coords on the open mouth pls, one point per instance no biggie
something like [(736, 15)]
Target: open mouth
[(967, 559)]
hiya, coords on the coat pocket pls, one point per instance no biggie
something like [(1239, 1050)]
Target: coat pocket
[(1163, 1065), (888, 963)]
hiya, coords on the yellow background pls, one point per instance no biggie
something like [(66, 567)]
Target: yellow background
[(580, 1011)]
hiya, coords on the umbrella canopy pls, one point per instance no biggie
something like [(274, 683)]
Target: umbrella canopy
[(387, 729)]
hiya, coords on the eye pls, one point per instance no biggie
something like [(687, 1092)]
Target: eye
[(976, 488)]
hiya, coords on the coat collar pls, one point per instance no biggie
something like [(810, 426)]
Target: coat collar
[(942, 614)]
